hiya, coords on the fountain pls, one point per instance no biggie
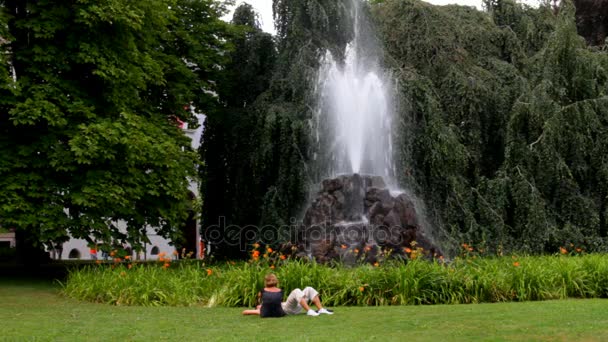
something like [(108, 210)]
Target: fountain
[(355, 103), (358, 211)]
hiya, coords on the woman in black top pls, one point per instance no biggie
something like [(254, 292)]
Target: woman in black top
[(271, 303)]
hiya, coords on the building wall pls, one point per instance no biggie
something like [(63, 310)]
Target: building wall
[(8, 237)]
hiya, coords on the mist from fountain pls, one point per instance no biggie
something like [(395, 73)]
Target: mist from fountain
[(355, 102)]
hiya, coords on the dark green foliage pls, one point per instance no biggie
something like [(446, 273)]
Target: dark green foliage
[(231, 143), (257, 154), (87, 132), (503, 122)]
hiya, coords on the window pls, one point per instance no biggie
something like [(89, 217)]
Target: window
[(154, 250), (74, 254)]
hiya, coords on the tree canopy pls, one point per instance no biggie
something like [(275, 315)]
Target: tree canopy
[(91, 92)]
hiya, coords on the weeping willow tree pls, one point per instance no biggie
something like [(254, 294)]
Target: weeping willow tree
[(503, 122)]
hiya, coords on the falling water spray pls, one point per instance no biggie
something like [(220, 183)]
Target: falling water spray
[(355, 102)]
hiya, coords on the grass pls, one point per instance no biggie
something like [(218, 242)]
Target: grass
[(36, 311)]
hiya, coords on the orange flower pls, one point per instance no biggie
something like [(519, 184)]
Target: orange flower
[(283, 257), (361, 288), (175, 252), (343, 247), (407, 250), (563, 250), (356, 250), (255, 254), (112, 253), (209, 271), (117, 260), (578, 250), (376, 264), (127, 257), (269, 250), (367, 248), (272, 267), (256, 245), (441, 257), (129, 266), (166, 265), (516, 264)]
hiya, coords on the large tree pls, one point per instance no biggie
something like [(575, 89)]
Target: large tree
[(233, 195), (87, 122)]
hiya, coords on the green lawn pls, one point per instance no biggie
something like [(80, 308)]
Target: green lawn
[(34, 310)]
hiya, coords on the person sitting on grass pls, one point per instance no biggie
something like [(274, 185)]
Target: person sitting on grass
[(271, 297)]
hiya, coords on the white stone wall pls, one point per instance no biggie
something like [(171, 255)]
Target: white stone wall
[(10, 237)]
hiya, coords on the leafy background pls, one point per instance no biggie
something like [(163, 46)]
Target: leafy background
[(502, 122)]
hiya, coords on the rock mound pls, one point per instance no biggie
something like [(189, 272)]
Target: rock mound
[(356, 217)]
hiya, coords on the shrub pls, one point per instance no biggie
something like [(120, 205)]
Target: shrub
[(464, 280)]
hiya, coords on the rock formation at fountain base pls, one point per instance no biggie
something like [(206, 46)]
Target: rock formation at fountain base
[(357, 218)]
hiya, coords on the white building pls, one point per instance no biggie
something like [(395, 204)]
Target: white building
[(78, 249)]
